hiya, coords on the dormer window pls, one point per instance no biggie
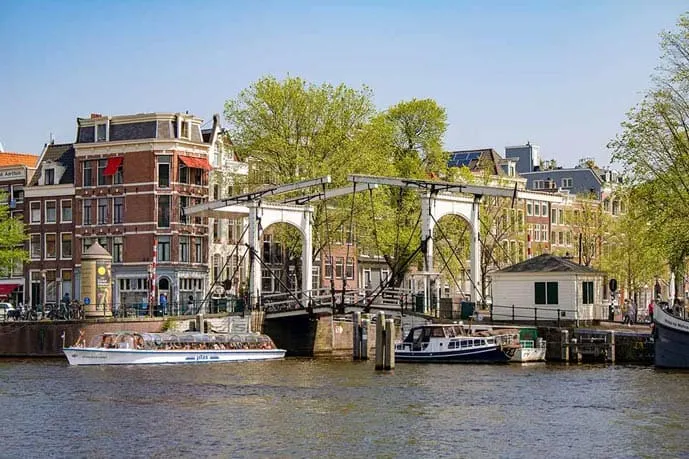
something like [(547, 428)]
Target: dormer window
[(184, 129), (49, 177), (101, 132), (566, 183)]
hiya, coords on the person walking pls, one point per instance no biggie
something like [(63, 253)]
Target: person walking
[(163, 304), (651, 306)]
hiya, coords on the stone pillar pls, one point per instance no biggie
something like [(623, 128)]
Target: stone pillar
[(427, 226), (96, 276), (475, 252)]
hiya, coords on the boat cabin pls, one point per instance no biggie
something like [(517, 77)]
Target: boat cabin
[(181, 341)]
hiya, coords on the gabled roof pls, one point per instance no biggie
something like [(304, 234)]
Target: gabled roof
[(18, 159), (547, 263), (59, 153), (477, 160)]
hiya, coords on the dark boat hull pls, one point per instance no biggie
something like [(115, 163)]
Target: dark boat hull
[(671, 341), (489, 355)]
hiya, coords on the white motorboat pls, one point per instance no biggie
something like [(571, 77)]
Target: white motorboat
[(131, 348), (529, 351)]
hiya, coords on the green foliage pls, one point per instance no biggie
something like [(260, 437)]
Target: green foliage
[(12, 238), (289, 130), (654, 148)]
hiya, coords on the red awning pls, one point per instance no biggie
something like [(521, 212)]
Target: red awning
[(198, 163), (6, 289), (113, 165)]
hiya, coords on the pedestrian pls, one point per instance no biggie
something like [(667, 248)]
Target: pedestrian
[(651, 305), (163, 304), (190, 304)]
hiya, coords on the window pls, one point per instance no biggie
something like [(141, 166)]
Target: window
[(35, 246), (118, 210), (566, 183), (66, 210), (118, 177), (198, 252), (117, 249), (545, 293), (553, 216), (537, 233), (86, 242), (66, 276), (87, 217), (544, 233), (538, 184), (536, 209), (553, 237), (544, 210), (184, 249), (18, 193), (102, 211), (561, 216), (35, 212), (66, 245), (183, 173), (102, 178), (164, 171), (350, 268), (101, 130), (50, 286), (587, 292), (164, 211), (163, 248), (529, 210), (88, 176), (339, 267), (216, 230), (561, 238), (184, 129), (328, 267), (183, 202), (50, 245), (49, 178)]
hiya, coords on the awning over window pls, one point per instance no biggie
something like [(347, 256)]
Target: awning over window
[(113, 165), (198, 163), (6, 289)]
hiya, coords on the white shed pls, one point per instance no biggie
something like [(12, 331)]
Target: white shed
[(546, 286)]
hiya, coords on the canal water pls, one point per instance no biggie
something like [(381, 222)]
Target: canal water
[(323, 408)]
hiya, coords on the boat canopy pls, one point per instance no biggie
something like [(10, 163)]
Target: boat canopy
[(130, 340)]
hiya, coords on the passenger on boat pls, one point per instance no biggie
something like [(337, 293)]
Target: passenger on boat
[(81, 340)]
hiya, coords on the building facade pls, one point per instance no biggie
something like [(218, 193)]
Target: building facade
[(16, 170)]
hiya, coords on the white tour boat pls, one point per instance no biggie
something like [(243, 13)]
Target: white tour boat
[(131, 348)]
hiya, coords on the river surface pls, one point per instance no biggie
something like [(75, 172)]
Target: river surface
[(329, 408)]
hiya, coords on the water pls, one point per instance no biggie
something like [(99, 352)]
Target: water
[(322, 408)]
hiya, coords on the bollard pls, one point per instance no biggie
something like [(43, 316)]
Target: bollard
[(611, 355), (199, 323), (364, 339), (356, 338), (564, 342), (389, 359), (577, 354), (380, 340)]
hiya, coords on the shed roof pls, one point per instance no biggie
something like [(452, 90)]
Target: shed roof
[(548, 263)]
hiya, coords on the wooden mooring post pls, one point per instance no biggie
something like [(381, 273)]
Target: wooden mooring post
[(385, 343), (359, 337)]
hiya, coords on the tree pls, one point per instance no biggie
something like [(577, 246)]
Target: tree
[(654, 147), (12, 237), (589, 224)]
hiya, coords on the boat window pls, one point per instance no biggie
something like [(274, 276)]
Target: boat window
[(438, 332), (477, 342), (466, 342), (451, 344)]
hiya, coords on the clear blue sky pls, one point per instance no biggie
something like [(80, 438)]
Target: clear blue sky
[(561, 74)]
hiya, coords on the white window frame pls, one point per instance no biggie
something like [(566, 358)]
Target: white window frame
[(45, 209), (567, 182), (62, 257), (71, 204), (31, 246), (529, 208), (45, 247), (31, 211)]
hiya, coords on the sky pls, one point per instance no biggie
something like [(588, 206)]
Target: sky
[(559, 74)]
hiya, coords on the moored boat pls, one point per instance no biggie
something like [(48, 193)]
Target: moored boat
[(529, 351), (671, 337), (131, 348), (456, 344)]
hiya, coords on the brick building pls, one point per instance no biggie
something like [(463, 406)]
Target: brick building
[(16, 169), (133, 175)]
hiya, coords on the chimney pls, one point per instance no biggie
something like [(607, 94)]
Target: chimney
[(96, 115)]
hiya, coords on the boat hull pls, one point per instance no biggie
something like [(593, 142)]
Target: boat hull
[(100, 356), (529, 354), (485, 355), (671, 337)]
